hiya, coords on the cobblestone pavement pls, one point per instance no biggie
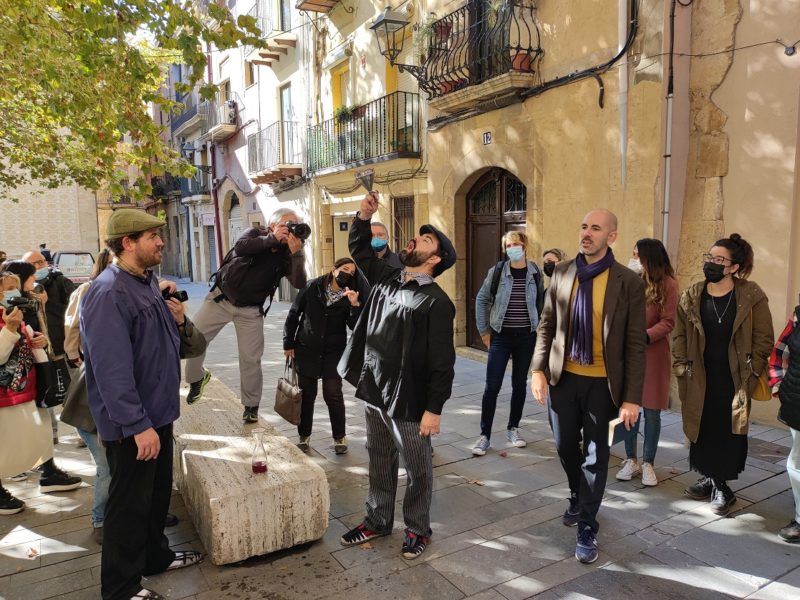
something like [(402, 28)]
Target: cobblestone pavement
[(496, 519)]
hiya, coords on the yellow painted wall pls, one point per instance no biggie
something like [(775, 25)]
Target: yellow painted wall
[(561, 145), (760, 96)]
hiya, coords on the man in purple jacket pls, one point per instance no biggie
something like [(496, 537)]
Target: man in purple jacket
[(132, 344)]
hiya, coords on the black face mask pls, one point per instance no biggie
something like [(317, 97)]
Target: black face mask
[(714, 273), (344, 279), (548, 268)]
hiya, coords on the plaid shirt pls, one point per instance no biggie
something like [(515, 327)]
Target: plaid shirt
[(779, 359)]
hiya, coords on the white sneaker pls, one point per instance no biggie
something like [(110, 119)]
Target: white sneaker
[(481, 446), (514, 439), (649, 475), (630, 469)]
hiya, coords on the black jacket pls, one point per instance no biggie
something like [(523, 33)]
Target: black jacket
[(392, 259), (59, 288), (789, 390), (401, 354), (318, 332), (253, 269)]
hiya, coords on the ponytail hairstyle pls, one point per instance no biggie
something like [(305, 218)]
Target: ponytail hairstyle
[(741, 253), (656, 268)]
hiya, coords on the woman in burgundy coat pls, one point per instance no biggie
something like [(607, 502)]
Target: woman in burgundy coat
[(651, 261)]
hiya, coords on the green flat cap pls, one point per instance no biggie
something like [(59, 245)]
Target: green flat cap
[(125, 221)]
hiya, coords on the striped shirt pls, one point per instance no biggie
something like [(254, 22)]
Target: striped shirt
[(517, 311)]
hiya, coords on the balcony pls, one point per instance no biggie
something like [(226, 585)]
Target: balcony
[(384, 129), (187, 121), (278, 41), (196, 188), (274, 154), (482, 51), (221, 117), (320, 6), (165, 185)]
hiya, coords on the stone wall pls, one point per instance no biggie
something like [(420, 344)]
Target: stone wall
[(713, 29), (65, 218)]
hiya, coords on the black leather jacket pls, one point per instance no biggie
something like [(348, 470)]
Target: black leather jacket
[(401, 355)]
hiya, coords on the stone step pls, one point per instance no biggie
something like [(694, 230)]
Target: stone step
[(237, 513)]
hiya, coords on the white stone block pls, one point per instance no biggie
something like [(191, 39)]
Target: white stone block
[(237, 513)]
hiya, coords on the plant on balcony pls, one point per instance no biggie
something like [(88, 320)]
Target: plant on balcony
[(521, 61), (343, 114), (423, 36)]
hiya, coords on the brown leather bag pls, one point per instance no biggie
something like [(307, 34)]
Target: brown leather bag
[(288, 396)]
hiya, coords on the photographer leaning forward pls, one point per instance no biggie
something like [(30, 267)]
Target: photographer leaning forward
[(249, 276)]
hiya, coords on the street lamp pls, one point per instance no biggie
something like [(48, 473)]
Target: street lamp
[(390, 29)]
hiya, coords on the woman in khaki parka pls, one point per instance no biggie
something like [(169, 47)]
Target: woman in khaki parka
[(722, 341)]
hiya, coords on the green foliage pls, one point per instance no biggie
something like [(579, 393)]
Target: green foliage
[(78, 78), (343, 114)]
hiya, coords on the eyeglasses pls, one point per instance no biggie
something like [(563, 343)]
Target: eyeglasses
[(717, 260)]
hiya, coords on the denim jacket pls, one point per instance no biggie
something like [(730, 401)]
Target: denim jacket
[(488, 315)]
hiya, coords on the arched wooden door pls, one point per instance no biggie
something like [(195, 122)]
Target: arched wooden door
[(497, 203)]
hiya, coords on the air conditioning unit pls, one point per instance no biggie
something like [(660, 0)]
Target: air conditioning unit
[(231, 106)]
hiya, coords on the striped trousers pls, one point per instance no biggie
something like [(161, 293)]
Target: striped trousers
[(387, 440)]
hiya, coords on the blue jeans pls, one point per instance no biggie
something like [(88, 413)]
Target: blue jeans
[(102, 479), (517, 344), (652, 431)]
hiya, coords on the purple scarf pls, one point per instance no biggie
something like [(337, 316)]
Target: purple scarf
[(580, 325)]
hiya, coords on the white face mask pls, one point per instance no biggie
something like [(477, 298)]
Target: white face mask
[(635, 265)]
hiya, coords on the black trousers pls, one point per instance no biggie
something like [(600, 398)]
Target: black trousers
[(332, 394), (134, 543), (580, 409)]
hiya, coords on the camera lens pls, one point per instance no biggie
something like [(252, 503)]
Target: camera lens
[(300, 230)]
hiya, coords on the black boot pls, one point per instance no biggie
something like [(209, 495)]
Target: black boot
[(722, 498)]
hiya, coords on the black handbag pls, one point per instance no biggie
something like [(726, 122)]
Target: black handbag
[(288, 396), (52, 382)]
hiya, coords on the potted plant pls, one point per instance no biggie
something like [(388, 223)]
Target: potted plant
[(423, 36), (343, 114), (442, 31), (521, 61)]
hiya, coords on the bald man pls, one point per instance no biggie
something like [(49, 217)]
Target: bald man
[(588, 366)]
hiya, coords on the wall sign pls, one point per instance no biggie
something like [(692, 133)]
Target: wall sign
[(487, 138)]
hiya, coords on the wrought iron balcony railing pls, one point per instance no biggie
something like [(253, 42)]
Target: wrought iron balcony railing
[(198, 184), (278, 144), (164, 185), (189, 113), (481, 40), (383, 129)]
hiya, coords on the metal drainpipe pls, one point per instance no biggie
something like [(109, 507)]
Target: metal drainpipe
[(213, 149)]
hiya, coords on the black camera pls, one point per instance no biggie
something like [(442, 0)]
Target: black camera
[(299, 230), (179, 295), (21, 302)]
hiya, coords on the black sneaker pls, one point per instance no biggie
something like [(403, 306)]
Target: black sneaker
[(58, 481), (196, 388), (250, 414), (359, 535), (586, 546), (722, 500), (8, 504), (700, 490), (573, 512), (414, 545), (790, 533)]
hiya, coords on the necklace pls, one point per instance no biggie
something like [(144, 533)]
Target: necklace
[(714, 304)]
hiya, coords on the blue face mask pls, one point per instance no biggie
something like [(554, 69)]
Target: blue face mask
[(515, 253), (8, 295), (378, 244), (41, 273)]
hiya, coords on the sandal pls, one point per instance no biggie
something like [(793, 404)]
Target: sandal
[(147, 595), (185, 558)]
